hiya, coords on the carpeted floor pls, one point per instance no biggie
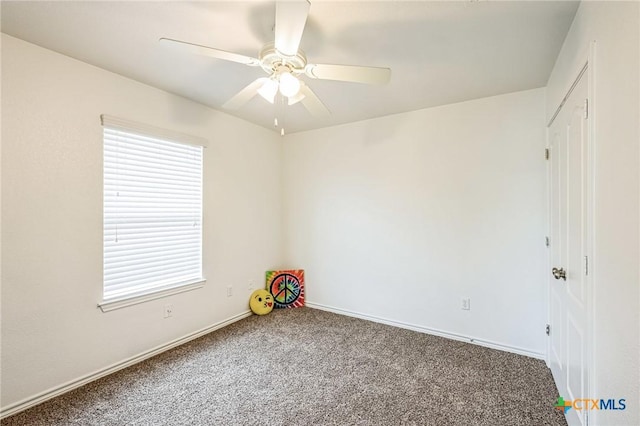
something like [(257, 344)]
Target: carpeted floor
[(309, 367)]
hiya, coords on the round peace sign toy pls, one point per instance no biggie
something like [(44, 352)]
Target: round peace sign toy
[(286, 287)]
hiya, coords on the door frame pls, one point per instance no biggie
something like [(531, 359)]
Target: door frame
[(587, 64)]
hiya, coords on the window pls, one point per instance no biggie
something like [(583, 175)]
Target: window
[(152, 212)]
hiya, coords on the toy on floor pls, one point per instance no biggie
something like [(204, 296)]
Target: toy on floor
[(261, 302), (286, 287)]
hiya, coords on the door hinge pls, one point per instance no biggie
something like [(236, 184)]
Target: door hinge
[(546, 241), (547, 329), (546, 154), (586, 108), (586, 265)]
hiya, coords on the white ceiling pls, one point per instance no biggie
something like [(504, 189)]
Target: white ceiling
[(440, 52)]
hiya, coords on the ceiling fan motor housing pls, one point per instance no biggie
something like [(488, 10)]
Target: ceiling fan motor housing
[(271, 60)]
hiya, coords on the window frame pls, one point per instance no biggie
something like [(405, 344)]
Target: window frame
[(146, 131)]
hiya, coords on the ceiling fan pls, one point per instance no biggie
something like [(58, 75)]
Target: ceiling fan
[(284, 63)]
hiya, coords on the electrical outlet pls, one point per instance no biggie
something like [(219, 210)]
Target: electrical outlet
[(466, 304), (168, 311), (251, 286), (229, 291)]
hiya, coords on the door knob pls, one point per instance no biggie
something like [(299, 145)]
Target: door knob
[(559, 273)]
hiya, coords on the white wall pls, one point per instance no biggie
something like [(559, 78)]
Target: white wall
[(616, 110), (401, 217), (52, 331)]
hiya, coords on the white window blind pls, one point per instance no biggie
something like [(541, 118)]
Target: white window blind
[(152, 211)]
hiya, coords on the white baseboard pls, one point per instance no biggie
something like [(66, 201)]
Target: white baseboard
[(83, 380), (427, 330)]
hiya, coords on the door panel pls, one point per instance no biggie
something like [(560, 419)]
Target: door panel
[(568, 137), (557, 335), (576, 220), (558, 294), (575, 360)]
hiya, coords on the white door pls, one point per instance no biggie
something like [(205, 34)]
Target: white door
[(569, 345)]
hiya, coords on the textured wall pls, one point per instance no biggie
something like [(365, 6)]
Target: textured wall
[(402, 217), (52, 331)]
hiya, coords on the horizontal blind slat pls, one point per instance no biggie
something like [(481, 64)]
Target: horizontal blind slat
[(139, 247), (129, 136), (132, 159), (131, 273), (152, 141), (122, 261), (136, 234), (121, 142), (151, 185), (177, 275), (143, 288)]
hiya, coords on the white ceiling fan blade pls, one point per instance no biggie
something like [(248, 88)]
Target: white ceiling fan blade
[(292, 100), (246, 94), (312, 103), (291, 17), (356, 74), (211, 52)]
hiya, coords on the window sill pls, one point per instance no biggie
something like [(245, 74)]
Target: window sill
[(112, 305)]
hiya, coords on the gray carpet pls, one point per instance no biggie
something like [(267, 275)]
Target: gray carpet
[(309, 367)]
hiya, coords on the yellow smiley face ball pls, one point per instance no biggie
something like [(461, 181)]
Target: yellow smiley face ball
[(261, 302)]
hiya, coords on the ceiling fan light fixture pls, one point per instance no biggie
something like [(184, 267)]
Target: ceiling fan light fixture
[(268, 90), (289, 85)]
